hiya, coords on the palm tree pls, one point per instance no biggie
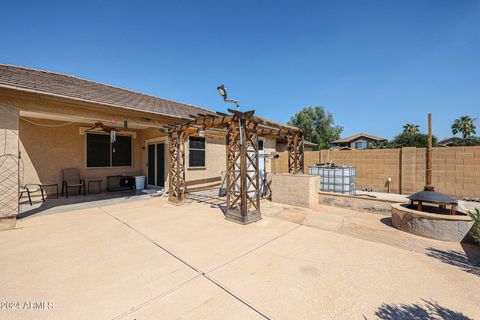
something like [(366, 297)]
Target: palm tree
[(411, 128), (464, 125)]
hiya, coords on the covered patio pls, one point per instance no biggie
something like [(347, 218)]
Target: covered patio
[(53, 123)]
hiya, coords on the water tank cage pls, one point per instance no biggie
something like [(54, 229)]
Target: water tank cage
[(341, 179)]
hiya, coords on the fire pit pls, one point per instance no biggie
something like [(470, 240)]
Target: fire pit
[(435, 220), (433, 197)]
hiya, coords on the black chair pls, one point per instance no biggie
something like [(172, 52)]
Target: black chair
[(71, 178)]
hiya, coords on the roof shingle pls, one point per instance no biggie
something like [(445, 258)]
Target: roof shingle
[(48, 82)]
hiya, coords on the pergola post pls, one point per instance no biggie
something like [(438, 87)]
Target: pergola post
[(241, 131), (243, 192), (176, 167), (296, 151)]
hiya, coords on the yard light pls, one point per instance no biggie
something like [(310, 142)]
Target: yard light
[(222, 91)]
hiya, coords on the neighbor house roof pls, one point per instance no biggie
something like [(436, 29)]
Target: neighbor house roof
[(309, 144), (356, 136), (448, 141), (66, 86)]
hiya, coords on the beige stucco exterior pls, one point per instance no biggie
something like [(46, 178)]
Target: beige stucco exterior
[(46, 150), (46, 146), (50, 133)]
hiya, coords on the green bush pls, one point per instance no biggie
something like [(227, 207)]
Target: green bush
[(475, 232)]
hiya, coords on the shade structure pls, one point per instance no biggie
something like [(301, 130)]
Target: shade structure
[(240, 130)]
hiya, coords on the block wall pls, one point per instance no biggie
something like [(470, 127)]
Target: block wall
[(456, 170)]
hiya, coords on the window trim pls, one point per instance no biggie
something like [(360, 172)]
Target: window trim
[(205, 154), (111, 158)]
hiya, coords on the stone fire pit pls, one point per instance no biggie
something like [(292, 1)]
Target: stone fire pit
[(431, 225)]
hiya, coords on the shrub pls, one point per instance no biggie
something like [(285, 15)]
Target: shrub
[(475, 232)]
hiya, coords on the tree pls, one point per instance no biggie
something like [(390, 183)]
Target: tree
[(464, 125), (411, 128), (318, 125), (418, 140)]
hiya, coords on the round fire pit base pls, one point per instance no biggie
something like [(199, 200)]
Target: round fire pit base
[(431, 225)]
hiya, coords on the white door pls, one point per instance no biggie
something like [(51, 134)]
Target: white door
[(261, 163)]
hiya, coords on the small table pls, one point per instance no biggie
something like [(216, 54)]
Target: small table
[(43, 186), (99, 181)]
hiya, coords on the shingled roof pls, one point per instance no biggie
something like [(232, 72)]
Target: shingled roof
[(359, 135), (62, 85)]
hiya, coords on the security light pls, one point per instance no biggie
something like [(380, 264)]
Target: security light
[(222, 91)]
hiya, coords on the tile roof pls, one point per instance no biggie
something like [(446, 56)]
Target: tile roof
[(355, 136), (52, 83)]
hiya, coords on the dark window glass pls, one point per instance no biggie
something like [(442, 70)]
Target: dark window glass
[(197, 143), (260, 145), (122, 152), (196, 152), (197, 158), (98, 150)]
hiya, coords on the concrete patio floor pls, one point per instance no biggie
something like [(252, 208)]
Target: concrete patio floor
[(150, 259)]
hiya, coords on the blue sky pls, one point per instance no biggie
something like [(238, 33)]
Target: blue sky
[(375, 65)]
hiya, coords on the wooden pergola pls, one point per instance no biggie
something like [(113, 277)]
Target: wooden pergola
[(240, 130)]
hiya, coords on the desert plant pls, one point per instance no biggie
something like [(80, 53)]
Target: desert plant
[(475, 232)]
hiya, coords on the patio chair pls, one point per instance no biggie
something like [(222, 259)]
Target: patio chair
[(30, 188), (71, 178)]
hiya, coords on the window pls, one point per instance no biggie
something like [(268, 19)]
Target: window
[(102, 153), (361, 145), (196, 147), (260, 145)]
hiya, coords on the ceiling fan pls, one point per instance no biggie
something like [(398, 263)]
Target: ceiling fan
[(100, 125)]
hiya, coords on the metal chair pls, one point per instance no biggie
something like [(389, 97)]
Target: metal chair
[(71, 178), (30, 188)]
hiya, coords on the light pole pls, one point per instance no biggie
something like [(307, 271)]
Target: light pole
[(223, 92)]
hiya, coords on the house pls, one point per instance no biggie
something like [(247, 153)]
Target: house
[(50, 121), (449, 141), (358, 141)]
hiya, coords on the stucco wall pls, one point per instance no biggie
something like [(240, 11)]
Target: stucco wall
[(215, 156), (46, 150)]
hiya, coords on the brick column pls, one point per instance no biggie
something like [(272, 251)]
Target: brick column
[(324, 156), (8, 167), (408, 171)]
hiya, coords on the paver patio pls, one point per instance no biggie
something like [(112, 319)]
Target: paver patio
[(150, 259)]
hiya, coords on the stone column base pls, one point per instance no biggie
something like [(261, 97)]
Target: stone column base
[(235, 216)]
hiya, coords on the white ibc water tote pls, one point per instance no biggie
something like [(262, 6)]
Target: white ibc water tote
[(341, 179)]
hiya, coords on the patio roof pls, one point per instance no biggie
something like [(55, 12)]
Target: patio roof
[(66, 86)]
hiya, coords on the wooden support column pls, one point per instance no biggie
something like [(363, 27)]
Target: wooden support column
[(295, 150), (176, 167), (243, 192)]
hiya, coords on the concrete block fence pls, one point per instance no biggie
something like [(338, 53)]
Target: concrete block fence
[(456, 170)]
